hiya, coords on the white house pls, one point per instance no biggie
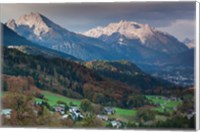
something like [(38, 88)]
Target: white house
[(109, 110), (190, 115), (116, 124), (75, 113), (60, 108), (6, 112)]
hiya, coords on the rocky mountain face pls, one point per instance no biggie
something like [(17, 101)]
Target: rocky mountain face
[(132, 41), (13, 41), (39, 29), (143, 34)]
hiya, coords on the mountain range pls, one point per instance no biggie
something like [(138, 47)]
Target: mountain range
[(39, 29), (148, 48), (139, 43), (128, 32)]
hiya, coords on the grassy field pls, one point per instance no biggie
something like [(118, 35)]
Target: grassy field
[(125, 112), (122, 114), (53, 98), (166, 104)]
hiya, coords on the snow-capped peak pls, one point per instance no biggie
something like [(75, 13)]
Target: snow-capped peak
[(129, 29), (33, 21)]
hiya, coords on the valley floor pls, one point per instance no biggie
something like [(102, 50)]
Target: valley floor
[(126, 115), (78, 113)]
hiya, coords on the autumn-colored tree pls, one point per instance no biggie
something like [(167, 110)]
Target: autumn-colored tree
[(97, 109), (22, 111), (67, 122), (19, 84), (99, 98), (86, 105), (5, 121), (92, 121), (88, 91), (145, 114), (45, 118)]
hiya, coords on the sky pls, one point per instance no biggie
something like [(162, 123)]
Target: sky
[(176, 18)]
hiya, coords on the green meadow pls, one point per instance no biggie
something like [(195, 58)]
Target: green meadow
[(52, 98), (166, 105), (120, 113)]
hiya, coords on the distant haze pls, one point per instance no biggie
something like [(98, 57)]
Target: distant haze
[(176, 18)]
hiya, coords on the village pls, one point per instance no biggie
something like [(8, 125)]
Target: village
[(72, 112), (108, 114)]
